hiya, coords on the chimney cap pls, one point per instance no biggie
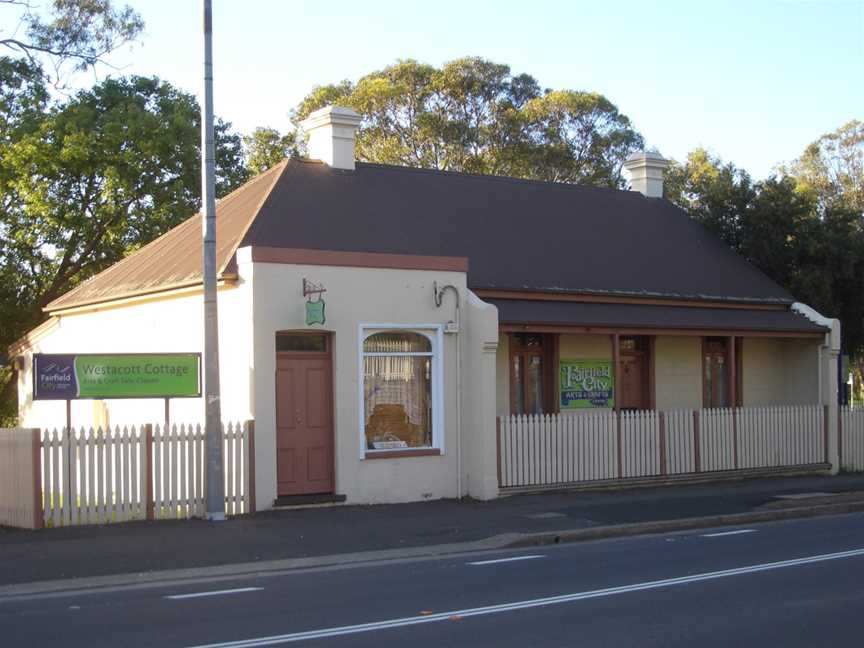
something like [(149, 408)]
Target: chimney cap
[(337, 115), (650, 157)]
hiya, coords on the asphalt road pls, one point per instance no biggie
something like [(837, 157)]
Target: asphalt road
[(791, 583)]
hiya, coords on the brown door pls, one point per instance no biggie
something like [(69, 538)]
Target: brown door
[(304, 421), (632, 382)]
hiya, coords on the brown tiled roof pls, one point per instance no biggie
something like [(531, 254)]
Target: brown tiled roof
[(174, 259), (517, 235)]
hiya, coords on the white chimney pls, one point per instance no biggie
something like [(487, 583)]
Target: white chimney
[(646, 172), (331, 136)]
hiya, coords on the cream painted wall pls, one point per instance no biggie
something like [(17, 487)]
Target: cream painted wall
[(780, 371), (678, 372), (585, 347), (356, 295), (801, 359), (156, 326), (479, 434), (762, 371)]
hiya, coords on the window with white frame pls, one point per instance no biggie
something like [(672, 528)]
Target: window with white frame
[(400, 373)]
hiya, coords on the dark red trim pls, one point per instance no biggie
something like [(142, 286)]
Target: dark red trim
[(298, 256)]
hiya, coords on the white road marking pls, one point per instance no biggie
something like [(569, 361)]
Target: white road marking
[(522, 605), (504, 560), (177, 597), (727, 533)]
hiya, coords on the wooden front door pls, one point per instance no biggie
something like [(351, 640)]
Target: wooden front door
[(304, 417), (633, 387)]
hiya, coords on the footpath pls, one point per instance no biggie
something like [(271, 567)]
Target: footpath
[(291, 538)]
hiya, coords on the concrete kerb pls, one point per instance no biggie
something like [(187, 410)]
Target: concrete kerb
[(41, 589)]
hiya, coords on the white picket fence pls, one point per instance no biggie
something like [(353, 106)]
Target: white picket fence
[(555, 449), (96, 476), (852, 439)]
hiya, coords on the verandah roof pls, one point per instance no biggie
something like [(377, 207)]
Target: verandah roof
[(602, 315)]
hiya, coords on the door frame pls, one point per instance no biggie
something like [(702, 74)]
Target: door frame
[(328, 354)]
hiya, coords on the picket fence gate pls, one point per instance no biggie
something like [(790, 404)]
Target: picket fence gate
[(536, 451), (99, 476)]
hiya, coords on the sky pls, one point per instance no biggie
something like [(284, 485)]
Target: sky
[(754, 82)]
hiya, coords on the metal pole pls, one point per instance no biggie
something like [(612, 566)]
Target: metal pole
[(215, 484)]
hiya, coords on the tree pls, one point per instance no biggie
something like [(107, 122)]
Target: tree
[(84, 183), (474, 115), (832, 168), (266, 147), (811, 244), (77, 34)]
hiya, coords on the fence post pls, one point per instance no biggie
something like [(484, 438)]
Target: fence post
[(148, 471), (498, 448), (38, 511), (697, 455), (618, 442), (250, 462), (840, 437), (735, 436), (825, 431), (661, 427)]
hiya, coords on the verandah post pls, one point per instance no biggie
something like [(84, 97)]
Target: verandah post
[(616, 361)]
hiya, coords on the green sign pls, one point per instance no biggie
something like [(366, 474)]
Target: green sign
[(158, 375), (315, 312), (586, 383)]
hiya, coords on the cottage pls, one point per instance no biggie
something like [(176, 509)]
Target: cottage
[(376, 321)]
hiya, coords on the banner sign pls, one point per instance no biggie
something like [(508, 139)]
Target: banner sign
[(102, 375), (586, 383)]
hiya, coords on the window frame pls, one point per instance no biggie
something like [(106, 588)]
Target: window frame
[(435, 334)]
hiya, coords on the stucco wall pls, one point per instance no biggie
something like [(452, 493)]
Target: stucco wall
[(156, 326), (585, 347), (354, 296), (762, 371), (801, 369), (677, 371)]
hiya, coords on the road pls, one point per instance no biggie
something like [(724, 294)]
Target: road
[(792, 583)]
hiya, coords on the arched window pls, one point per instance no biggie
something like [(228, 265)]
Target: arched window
[(400, 390)]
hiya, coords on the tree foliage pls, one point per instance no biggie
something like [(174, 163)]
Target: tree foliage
[(266, 147), (76, 35), (474, 115), (804, 231), (94, 178)]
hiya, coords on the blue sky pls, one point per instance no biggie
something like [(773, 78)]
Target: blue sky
[(754, 81)]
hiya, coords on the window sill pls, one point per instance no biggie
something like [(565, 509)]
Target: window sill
[(398, 454)]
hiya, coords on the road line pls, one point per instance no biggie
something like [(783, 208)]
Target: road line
[(504, 560), (530, 603), (177, 597), (727, 533)]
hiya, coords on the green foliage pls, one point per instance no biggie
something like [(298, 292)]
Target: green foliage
[(805, 232), (266, 147), (98, 176), (831, 169), (76, 36), (474, 115)]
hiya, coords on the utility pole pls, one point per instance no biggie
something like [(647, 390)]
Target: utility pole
[(213, 415)]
